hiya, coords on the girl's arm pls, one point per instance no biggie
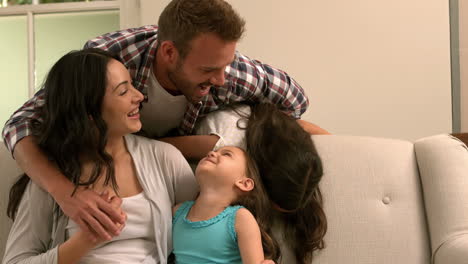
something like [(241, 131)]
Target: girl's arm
[(249, 238), (175, 208)]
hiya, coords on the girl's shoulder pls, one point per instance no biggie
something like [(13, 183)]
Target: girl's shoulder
[(244, 219), (181, 210), (243, 214)]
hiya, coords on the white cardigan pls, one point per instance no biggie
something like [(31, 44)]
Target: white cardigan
[(166, 179)]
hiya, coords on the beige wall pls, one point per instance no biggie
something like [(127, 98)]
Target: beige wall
[(463, 35), (370, 67)]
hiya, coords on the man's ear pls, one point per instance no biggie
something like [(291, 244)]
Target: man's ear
[(246, 184), (169, 52)]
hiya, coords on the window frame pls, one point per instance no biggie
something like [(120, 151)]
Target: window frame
[(54, 8)]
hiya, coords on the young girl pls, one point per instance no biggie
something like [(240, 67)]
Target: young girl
[(219, 226), (290, 170)]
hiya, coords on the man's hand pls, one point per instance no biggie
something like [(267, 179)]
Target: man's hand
[(267, 261), (96, 216), (115, 202), (86, 208), (312, 128)]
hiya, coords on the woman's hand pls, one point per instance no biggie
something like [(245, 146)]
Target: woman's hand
[(81, 242)]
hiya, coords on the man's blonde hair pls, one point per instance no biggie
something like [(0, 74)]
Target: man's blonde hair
[(183, 20)]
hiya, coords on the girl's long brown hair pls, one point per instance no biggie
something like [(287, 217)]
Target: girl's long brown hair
[(258, 203), (290, 169)]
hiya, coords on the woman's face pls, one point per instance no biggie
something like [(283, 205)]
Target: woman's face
[(120, 107)]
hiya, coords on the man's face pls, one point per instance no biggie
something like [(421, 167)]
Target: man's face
[(203, 66)]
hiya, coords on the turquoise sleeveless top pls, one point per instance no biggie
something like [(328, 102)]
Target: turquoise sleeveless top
[(210, 241)]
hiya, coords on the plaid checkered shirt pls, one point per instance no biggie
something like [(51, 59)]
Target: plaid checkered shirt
[(247, 80)]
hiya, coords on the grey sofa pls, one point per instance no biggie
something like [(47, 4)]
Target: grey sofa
[(387, 201)]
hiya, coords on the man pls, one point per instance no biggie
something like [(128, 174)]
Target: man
[(186, 68)]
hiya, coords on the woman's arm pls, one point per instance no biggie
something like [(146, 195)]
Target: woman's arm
[(86, 208), (80, 243), (249, 238), (75, 248), (183, 186), (30, 236)]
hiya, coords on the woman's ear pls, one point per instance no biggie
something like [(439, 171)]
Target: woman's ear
[(246, 184)]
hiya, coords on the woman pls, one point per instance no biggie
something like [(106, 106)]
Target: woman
[(291, 170), (89, 112)]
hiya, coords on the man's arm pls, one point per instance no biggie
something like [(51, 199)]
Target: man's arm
[(193, 147), (312, 128), (259, 82), (85, 208)]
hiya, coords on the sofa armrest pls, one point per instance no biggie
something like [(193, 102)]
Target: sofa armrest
[(443, 166)]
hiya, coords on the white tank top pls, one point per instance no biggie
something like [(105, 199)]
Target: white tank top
[(135, 242), (163, 111)]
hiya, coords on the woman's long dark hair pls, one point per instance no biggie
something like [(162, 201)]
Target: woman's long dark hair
[(291, 169), (72, 130)]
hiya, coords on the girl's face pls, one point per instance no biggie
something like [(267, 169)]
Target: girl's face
[(224, 166), (120, 107)]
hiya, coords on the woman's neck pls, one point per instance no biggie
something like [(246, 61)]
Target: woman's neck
[(116, 146)]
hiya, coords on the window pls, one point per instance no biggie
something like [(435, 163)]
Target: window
[(6, 3), (38, 35)]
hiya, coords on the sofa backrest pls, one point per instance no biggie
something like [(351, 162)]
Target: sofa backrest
[(373, 202), (8, 173)]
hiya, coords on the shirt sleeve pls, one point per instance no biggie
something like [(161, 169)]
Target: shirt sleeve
[(20, 123), (126, 42), (258, 82), (30, 235), (228, 124), (183, 181)]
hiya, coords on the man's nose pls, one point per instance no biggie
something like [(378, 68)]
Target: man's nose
[(218, 78)]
